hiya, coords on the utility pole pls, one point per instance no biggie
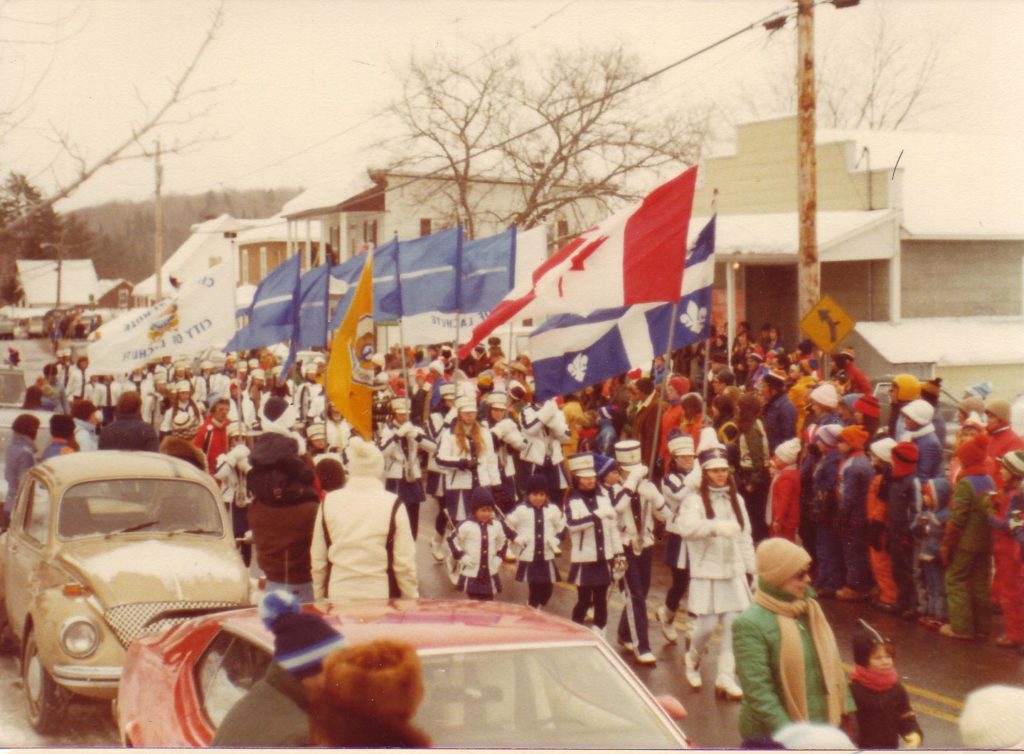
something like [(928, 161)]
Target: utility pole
[(158, 217), (60, 266), (808, 266)]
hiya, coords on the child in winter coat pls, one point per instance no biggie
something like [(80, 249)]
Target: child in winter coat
[(539, 526), (854, 479), (935, 495), (783, 511), (1007, 551), (878, 526), (884, 715), (904, 494), (479, 545)]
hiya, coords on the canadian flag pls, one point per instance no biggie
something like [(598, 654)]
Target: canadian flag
[(635, 256)]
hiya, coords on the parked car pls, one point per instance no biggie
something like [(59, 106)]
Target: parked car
[(496, 675), (103, 547), (7, 326)]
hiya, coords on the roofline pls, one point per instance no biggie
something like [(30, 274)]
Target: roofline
[(910, 236)]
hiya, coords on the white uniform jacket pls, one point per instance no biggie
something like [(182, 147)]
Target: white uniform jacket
[(465, 469), (536, 528), (717, 549), (508, 442), (437, 425), (78, 383), (358, 517), (309, 402), (673, 489), (545, 429), (104, 394), (474, 543), (400, 446), (232, 470), (338, 435), (593, 530), (651, 506)]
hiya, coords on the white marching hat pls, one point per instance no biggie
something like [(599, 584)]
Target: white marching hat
[(582, 464), (681, 445), (627, 453), (465, 403), (714, 458), (401, 405), (497, 400), (447, 390), (183, 386), (309, 367), (236, 429), (316, 430), (258, 374)]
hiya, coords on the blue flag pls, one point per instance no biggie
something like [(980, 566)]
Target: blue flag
[(488, 271), (571, 352), (313, 291), (274, 310), (344, 277)]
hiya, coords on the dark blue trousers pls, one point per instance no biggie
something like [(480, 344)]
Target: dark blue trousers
[(633, 623)]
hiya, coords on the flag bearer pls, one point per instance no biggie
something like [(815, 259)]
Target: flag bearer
[(401, 441)]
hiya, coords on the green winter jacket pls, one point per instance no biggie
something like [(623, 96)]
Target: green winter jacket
[(969, 512), (756, 644), (274, 712)]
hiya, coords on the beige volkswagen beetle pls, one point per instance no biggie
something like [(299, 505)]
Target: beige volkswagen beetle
[(104, 546)]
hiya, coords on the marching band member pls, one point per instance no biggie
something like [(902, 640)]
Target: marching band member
[(155, 402), (438, 421), (673, 488), (309, 398), (508, 441), (104, 394), (466, 453), (339, 432), (78, 380), (638, 503), (545, 428), (232, 469), (253, 401), (183, 417), (400, 441), (594, 535), (479, 545), (539, 526), (204, 384)]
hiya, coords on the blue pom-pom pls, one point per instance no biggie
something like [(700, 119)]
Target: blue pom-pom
[(275, 604)]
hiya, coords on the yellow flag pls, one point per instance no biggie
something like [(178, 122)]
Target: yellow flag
[(349, 370)]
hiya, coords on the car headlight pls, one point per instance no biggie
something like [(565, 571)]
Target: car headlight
[(79, 637)]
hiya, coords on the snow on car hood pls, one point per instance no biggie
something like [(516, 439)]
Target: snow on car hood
[(155, 571)]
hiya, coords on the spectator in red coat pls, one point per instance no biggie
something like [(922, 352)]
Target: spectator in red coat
[(1001, 438), (212, 437), (784, 493), (856, 380)]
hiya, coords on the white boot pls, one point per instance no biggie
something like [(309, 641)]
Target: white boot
[(666, 618), (725, 682), (437, 547), (691, 665)]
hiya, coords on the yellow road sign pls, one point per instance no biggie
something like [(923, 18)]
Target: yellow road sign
[(826, 324)]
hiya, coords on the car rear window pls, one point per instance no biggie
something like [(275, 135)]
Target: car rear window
[(114, 506)]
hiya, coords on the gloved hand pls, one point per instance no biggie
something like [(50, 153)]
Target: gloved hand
[(636, 475), (912, 739), (463, 464), (725, 528), (406, 429), (237, 453)]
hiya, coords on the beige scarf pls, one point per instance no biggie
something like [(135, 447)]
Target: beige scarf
[(791, 657)]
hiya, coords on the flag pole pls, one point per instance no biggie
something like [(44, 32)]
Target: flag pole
[(655, 446), (401, 318), (458, 300)]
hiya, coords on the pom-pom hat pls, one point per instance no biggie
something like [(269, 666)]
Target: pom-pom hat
[(869, 406), (1014, 462), (364, 459), (828, 434), (855, 436), (301, 640), (904, 459), (825, 395), (603, 464), (999, 409)]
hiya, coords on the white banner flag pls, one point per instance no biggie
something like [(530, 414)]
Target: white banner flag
[(200, 315)]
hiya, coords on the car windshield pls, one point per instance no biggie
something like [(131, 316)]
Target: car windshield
[(559, 697), (148, 506)]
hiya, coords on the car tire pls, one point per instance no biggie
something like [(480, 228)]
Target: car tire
[(46, 699)]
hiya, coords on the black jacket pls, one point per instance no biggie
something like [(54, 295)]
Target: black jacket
[(279, 476), (129, 432), (883, 717)]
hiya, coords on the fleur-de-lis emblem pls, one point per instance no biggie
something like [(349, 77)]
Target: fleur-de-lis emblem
[(694, 318), (578, 368)]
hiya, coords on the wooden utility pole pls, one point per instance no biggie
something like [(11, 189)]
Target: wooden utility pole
[(809, 268), (158, 217)]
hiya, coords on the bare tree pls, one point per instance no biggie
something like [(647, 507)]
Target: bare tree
[(881, 79), (175, 109), (564, 132)]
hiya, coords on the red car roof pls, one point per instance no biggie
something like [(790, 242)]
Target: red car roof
[(427, 623)]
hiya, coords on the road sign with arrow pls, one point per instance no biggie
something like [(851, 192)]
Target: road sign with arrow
[(826, 324)]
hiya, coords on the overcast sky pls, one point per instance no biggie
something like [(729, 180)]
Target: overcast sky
[(303, 81)]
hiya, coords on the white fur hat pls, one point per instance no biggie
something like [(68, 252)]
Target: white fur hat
[(992, 718), (364, 459), (920, 412), (788, 451)]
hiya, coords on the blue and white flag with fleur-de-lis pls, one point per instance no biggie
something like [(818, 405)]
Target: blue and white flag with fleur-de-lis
[(571, 352)]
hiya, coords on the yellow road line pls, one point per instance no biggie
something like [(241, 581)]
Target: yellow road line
[(924, 693), (924, 709)]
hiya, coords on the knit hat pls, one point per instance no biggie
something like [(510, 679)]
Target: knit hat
[(931, 390), (825, 395), (680, 384), (62, 426), (364, 459), (1014, 462), (908, 387), (301, 640), (828, 434), (812, 736), (274, 408), (603, 464), (779, 560), (537, 483), (999, 409), (920, 412), (865, 638), (904, 459), (992, 718), (979, 390), (869, 406), (883, 448), (974, 451), (481, 497), (788, 451), (850, 399), (855, 436)]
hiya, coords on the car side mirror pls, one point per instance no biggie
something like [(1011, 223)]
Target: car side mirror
[(672, 706)]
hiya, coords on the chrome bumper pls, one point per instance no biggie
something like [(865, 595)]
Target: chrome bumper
[(87, 676)]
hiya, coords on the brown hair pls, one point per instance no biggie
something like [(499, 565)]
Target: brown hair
[(129, 403), (750, 411), (81, 409), (331, 474), (705, 495)]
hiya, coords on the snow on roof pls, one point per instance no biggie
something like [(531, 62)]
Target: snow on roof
[(205, 247), (276, 229), (948, 341), (105, 285), (778, 233), (954, 185), (329, 192), (38, 278)]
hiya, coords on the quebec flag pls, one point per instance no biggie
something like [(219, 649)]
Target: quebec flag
[(571, 352)]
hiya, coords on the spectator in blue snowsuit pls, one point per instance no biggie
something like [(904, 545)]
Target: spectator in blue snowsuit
[(917, 417), (831, 575), (779, 412), (855, 475)]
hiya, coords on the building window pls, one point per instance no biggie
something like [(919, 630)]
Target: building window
[(122, 298), (562, 229), (424, 226)]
